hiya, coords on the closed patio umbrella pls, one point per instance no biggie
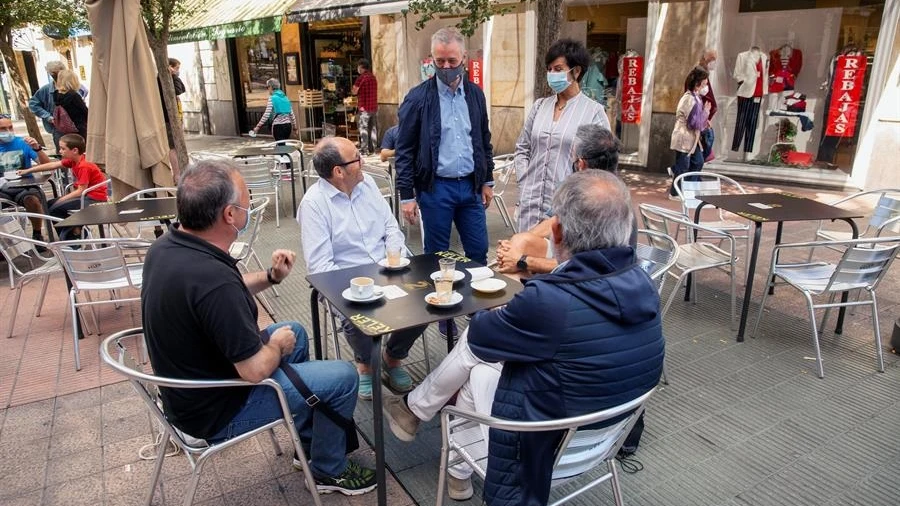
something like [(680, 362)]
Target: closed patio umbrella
[(126, 132)]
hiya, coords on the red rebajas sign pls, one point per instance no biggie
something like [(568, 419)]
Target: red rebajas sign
[(632, 88), (846, 90)]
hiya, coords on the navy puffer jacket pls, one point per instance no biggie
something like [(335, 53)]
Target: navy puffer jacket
[(584, 338)]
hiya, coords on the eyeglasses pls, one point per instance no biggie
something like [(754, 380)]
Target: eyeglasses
[(358, 159), (245, 209)]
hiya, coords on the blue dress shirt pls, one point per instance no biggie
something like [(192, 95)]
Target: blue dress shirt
[(455, 155)]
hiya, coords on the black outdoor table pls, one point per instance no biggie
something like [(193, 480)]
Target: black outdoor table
[(36, 180), (384, 316), (129, 211), (251, 151), (782, 207)]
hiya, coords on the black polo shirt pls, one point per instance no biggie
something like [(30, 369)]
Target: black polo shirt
[(199, 320)]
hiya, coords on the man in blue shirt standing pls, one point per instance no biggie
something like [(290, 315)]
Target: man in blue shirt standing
[(18, 153), (444, 157), (42, 105)]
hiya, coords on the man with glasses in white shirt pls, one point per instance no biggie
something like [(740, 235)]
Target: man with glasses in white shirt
[(345, 222)]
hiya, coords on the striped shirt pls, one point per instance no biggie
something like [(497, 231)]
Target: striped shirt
[(545, 152), (279, 119)]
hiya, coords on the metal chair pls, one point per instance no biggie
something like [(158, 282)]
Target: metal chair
[(691, 185), (657, 253), (15, 244), (94, 265), (262, 179), (84, 230), (242, 248), (388, 190), (885, 216), (695, 255), (504, 167), (122, 352), (579, 452), (863, 264)]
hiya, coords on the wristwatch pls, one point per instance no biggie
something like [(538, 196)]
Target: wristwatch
[(270, 278), (522, 264)]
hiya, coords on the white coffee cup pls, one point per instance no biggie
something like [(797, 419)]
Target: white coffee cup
[(362, 287)]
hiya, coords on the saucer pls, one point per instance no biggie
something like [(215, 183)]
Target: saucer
[(403, 263), (457, 275), (455, 298), (377, 294), (11, 176), (489, 285)]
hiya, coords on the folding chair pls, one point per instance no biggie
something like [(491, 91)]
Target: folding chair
[(97, 265), (262, 179), (862, 265), (14, 245), (122, 352), (242, 248), (580, 451), (657, 253), (504, 167), (884, 216)]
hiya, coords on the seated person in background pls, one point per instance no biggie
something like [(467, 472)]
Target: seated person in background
[(200, 322), (584, 338), (84, 174), (532, 251), (345, 222), (389, 143), (18, 153)]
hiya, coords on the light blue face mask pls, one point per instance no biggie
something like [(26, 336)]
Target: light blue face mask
[(242, 230), (558, 81), (6, 137)]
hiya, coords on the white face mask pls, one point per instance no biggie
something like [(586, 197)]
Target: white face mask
[(703, 91)]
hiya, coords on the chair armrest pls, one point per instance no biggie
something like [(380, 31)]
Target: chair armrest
[(92, 188)]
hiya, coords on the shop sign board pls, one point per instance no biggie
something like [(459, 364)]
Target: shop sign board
[(476, 72), (228, 30), (846, 91), (632, 88)]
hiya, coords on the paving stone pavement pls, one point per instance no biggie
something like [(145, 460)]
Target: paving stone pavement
[(739, 424)]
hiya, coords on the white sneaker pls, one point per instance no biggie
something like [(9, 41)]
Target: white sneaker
[(459, 490), (669, 170)]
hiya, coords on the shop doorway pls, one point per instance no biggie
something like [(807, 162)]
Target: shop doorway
[(255, 59)]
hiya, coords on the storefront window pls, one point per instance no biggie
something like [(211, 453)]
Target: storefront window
[(337, 49), (258, 61), (615, 32), (793, 84)]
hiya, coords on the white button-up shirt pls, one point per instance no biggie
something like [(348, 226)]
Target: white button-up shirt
[(339, 231)]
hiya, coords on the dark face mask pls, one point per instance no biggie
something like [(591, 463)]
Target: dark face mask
[(449, 75)]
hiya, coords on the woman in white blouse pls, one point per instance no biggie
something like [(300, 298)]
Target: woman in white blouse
[(545, 148)]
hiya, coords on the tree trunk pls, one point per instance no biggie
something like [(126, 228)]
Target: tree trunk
[(549, 15), (20, 89), (201, 84), (159, 46)]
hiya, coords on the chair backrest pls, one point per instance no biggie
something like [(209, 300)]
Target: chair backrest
[(257, 211), (863, 264), (14, 240), (90, 263), (657, 253), (257, 172), (160, 193), (886, 216), (504, 167), (691, 185), (657, 219), (91, 188)]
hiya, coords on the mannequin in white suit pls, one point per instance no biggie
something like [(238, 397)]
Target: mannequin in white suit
[(750, 71)]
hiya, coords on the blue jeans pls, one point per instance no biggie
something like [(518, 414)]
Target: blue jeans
[(707, 139), (454, 201), (686, 162), (335, 384)]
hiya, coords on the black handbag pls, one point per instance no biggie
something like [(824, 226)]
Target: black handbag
[(349, 426)]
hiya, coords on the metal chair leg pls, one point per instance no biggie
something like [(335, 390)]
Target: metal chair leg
[(40, 302), (15, 309)]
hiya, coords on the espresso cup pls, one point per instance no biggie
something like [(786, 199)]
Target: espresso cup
[(362, 287)]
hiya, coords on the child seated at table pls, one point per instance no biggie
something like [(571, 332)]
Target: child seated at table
[(84, 174)]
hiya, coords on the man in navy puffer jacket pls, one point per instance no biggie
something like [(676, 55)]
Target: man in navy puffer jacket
[(585, 337)]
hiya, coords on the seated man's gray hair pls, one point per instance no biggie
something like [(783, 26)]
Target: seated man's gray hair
[(205, 189), (55, 66), (273, 83), (598, 147), (326, 156), (594, 208)]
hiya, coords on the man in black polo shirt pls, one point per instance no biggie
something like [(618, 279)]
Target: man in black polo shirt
[(200, 318)]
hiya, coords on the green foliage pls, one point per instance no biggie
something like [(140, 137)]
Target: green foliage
[(473, 12), (61, 15), (158, 15), (787, 130)]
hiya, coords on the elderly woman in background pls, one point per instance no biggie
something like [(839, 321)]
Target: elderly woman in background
[(544, 151), (691, 118), (68, 97), (279, 107)]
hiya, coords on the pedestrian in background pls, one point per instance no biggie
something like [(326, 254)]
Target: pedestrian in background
[(67, 97), (279, 108), (366, 90), (691, 118)]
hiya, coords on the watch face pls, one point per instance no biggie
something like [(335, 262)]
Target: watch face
[(522, 264)]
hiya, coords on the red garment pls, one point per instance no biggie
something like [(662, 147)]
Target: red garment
[(782, 77), (87, 174), (367, 92), (759, 79)]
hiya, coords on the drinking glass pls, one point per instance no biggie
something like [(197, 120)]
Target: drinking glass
[(448, 267)]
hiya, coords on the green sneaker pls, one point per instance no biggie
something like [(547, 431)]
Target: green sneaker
[(355, 480)]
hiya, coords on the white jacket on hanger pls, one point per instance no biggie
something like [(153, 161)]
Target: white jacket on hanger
[(745, 72)]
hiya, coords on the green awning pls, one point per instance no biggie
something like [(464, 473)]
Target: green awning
[(222, 19)]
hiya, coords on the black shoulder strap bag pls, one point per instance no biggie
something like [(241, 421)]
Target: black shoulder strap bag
[(349, 426)]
